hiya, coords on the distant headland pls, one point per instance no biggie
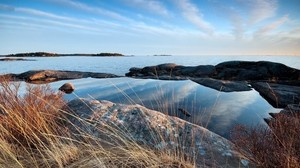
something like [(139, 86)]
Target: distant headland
[(47, 54)]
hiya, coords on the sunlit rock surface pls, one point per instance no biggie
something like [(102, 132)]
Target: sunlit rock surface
[(155, 130), (46, 76)]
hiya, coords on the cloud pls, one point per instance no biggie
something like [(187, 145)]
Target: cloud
[(192, 14), (272, 26), (6, 8), (91, 9), (151, 5), (28, 23), (245, 14), (42, 14), (261, 10)]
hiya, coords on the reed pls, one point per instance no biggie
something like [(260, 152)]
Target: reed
[(33, 133), (275, 146)]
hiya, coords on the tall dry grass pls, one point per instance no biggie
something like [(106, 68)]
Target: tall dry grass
[(33, 134), (276, 146)]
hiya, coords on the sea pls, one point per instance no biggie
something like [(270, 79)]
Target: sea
[(217, 111)]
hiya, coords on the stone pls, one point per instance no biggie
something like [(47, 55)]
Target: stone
[(67, 88), (260, 70), (154, 130), (46, 76), (278, 95)]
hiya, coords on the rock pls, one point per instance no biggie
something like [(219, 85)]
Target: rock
[(154, 130), (278, 95), (15, 59), (261, 70), (289, 112), (46, 76), (197, 71), (67, 88), (291, 109), (223, 85), (231, 70)]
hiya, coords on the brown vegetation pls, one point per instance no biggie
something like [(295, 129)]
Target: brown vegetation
[(32, 134), (276, 146)]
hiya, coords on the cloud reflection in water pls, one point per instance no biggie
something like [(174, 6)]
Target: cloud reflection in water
[(218, 110)]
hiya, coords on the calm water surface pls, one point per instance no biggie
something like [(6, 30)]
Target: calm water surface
[(218, 111), (121, 65)]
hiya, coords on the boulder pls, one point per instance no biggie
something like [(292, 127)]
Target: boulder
[(278, 95), (261, 70), (154, 130), (67, 88)]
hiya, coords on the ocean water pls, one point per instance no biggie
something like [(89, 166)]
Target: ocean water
[(218, 111), (121, 65)]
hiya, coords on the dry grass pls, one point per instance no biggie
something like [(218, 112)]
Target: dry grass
[(32, 134), (276, 146)]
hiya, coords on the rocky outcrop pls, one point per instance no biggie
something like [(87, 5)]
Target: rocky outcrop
[(46, 76), (283, 87), (261, 70), (170, 69), (278, 95), (231, 70), (153, 129)]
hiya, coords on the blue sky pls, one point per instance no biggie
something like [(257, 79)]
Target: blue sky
[(146, 27)]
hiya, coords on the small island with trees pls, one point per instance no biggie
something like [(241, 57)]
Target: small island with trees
[(47, 54)]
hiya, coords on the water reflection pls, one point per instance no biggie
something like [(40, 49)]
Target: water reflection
[(218, 111)]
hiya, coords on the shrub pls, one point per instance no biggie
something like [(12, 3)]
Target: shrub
[(275, 146)]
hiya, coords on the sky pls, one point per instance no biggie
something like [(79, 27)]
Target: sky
[(147, 27)]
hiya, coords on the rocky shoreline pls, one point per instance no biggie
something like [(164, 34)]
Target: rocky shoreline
[(277, 83)]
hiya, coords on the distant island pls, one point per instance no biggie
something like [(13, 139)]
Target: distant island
[(166, 55), (46, 54)]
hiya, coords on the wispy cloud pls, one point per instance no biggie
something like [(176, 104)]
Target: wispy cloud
[(6, 7), (246, 16), (192, 14), (88, 8), (30, 22), (272, 26), (261, 10), (42, 14), (153, 6)]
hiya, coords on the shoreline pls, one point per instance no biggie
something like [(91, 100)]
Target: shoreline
[(275, 82)]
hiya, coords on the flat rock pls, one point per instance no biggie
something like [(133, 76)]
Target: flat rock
[(223, 85), (155, 130), (46, 76), (278, 95), (15, 59)]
